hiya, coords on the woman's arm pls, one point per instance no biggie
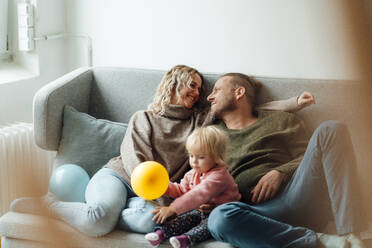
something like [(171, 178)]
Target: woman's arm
[(292, 104), (136, 146)]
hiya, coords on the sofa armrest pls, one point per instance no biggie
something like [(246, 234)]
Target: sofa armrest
[(72, 89)]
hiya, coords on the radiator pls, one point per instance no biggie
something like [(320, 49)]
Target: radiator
[(24, 167)]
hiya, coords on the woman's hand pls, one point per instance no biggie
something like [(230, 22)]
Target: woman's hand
[(162, 213), (305, 99)]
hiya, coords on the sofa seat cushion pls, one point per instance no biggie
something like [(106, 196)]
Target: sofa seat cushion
[(45, 230), (23, 243)]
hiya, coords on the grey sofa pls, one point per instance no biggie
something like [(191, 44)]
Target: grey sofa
[(115, 94)]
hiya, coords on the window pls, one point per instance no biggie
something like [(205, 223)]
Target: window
[(3, 28)]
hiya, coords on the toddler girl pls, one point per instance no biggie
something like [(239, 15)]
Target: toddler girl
[(207, 184)]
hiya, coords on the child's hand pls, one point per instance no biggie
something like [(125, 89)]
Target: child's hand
[(207, 208), (305, 99), (162, 213)]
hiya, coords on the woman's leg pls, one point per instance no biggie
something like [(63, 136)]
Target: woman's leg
[(105, 195), (137, 216)]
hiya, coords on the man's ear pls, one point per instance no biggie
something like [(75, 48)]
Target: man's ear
[(239, 93)]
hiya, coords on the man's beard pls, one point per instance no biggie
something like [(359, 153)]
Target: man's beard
[(228, 105)]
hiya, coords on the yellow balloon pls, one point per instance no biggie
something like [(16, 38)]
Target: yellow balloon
[(149, 180)]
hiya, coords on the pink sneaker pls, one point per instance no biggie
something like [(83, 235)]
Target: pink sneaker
[(155, 238), (181, 241)]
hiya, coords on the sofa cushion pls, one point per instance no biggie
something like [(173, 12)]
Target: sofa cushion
[(19, 226), (87, 141)]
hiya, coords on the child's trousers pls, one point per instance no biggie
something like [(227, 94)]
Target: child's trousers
[(194, 224)]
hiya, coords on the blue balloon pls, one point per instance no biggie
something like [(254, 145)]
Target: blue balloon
[(68, 183)]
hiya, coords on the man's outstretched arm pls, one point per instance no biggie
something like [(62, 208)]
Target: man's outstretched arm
[(291, 105)]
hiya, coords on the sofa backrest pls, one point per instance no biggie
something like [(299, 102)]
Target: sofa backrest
[(117, 93)]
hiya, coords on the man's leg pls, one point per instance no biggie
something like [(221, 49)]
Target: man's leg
[(236, 224), (324, 185)]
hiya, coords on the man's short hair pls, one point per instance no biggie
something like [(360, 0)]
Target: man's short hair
[(241, 80)]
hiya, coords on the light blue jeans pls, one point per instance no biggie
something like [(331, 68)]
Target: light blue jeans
[(323, 188), (110, 202)]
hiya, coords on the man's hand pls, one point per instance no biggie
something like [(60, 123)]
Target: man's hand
[(267, 187), (162, 213), (305, 99), (207, 208)]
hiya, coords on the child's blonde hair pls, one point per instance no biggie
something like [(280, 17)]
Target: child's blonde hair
[(210, 140)]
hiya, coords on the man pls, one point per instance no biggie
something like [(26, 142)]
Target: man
[(287, 183)]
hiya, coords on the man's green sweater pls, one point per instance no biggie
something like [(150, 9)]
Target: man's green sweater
[(277, 140)]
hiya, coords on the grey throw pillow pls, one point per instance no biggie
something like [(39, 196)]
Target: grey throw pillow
[(87, 141)]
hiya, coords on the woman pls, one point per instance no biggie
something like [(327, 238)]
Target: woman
[(157, 134)]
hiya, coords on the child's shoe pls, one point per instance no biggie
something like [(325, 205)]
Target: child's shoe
[(155, 238), (181, 241)]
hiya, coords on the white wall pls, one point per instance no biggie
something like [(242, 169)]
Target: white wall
[(16, 97), (46, 63), (290, 38)]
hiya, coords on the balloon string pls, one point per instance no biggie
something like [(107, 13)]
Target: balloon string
[(154, 202)]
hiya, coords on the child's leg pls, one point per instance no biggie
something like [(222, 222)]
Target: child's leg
[(155, 238), (181, 241), (176, 226), (181, 223), (195, 235), (199, 233)]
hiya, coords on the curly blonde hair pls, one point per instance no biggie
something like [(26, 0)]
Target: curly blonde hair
[(171, 82)]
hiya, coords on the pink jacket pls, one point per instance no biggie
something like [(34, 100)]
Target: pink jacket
[(216, 187)]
